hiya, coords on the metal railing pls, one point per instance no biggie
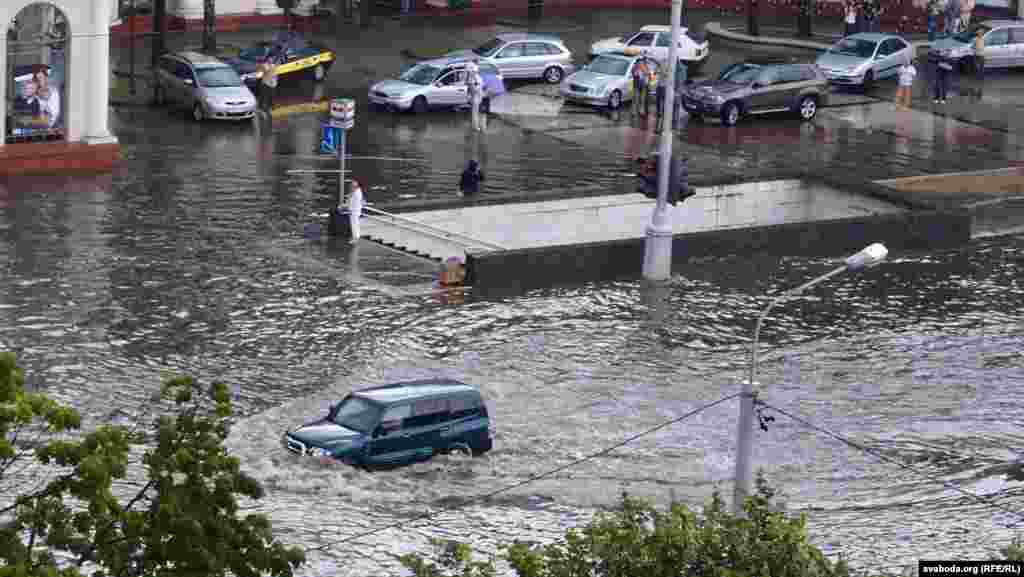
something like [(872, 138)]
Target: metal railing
[(434, 231)]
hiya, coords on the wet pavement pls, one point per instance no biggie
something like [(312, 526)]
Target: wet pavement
[(191, 258)]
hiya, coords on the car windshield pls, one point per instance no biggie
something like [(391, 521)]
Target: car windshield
[(855, 47), (255, 53), (421, 74), (612, 66), (967, 36), (488, 48), (356, 414), (745, 73), (218, 77)]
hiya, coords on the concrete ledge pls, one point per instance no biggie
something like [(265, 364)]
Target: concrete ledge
[(495, 274), (58, 157)]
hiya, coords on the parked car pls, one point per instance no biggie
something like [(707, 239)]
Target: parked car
[(656, 40), (439, 83), (748, 88), (397, 424), (606, 81), (290, 52), (1004, 44), (203, 84), (524, 55), (861, 59)]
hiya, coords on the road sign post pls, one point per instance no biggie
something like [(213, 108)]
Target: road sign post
[(343, 117)]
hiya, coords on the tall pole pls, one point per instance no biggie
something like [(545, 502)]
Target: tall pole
[(658, 244), (341, 166), (745, 434), (160, 39), (131, 49)]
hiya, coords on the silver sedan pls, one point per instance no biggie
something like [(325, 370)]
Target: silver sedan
[(861, 59)]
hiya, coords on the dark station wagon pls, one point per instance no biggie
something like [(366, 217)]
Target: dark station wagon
[(398, 424)]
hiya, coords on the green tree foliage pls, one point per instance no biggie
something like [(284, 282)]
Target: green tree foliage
[(1015, 551), (639, 540), (184, 519)]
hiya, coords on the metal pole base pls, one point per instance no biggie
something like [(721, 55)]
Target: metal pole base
[(658, 253)]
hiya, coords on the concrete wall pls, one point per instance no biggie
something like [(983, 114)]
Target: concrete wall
[(87, 75), (511, 272)]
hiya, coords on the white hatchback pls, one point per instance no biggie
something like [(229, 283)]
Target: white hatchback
[(655, 41)]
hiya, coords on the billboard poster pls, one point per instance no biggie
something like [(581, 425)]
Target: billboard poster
[(37, 107)]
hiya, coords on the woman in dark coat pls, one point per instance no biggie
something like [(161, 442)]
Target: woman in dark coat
[(471, 178)]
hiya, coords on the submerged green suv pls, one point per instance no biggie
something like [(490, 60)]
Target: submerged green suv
[(398, 424)]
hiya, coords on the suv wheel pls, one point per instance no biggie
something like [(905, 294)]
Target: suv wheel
[(808, 107), (553, 75), (730, 114), (615, 100), (869, 80), (485, 106), (197, 112), (419, 105)]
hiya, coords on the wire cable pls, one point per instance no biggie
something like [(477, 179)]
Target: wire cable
[(527, 481), (880, 456)]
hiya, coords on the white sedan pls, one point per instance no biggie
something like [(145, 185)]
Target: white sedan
[(655, 41)]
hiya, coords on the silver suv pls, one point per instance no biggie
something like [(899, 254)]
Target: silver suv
[(525, 55), (203, 84)]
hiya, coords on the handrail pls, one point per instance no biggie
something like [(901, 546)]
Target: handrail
[(436, 231)]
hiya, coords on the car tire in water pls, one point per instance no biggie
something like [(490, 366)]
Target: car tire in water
[(419, 105), (485, 106), (807, 107), (319, 73), (197, 113), (869, 81), (730, 114), (615, 100), (553, 75)]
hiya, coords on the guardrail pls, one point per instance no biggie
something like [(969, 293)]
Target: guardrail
[(434, 231)]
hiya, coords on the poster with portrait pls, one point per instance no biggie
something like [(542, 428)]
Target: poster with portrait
[(37, 107)]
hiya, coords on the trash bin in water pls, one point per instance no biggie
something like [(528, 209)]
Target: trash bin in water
[(338, 223)]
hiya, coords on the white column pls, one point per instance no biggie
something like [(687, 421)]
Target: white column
[(97, 90), (3, 81), (188, 9)]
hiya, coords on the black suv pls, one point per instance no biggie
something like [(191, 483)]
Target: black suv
[(746, 88)]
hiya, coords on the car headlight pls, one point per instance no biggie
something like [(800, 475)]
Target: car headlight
[(318, 452)]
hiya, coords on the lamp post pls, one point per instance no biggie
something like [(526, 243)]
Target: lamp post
[(871, 256), (657, 265)]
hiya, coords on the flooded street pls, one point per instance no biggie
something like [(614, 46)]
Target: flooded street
[(191, 258)]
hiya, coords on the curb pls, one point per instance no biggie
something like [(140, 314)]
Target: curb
[(716, 29)]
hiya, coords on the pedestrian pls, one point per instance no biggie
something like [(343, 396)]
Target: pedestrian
[(677, 97), (934, 11), (472, 176), (474, 89), (640, 78), (870, 10), (268, 83), (905, 91), (355, 207), (943, 70), (952, 16), (851, 17), (979, 55)]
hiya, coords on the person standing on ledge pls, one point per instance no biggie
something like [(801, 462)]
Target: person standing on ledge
[(355, 208)]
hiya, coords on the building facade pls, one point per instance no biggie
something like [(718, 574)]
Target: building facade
[(55, 63)]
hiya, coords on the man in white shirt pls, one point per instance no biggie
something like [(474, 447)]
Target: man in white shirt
[(474, 84)]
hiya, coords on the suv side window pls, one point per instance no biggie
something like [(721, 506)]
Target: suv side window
[(1000, 37), (808, 73), (536, 49), (392, 418), (768, 76), (511, 51), (454, 77), (790, 74), (555, 50), (642, 39), (664, 40), (462, 407), (427, 412), (1017, 35)]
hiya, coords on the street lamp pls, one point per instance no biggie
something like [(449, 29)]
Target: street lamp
[(867, 258)]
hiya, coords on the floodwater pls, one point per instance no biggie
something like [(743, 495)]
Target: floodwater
[(191, 258)]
